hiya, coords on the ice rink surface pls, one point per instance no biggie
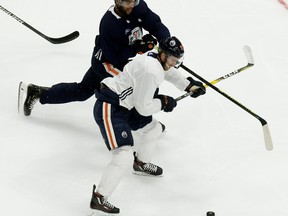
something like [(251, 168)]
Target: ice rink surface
[(213, 152)]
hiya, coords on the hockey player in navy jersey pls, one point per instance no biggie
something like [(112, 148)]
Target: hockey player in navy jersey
[(120, 38), (124, 101)]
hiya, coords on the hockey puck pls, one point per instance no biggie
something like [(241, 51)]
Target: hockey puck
[(210, 213)]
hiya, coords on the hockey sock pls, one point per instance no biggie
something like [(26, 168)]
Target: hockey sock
[(121, 160)]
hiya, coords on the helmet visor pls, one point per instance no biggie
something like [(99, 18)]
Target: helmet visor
[(127, 3), (173, 61), (179, 62)]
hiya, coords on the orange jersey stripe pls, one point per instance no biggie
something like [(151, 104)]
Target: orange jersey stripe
[(108, 129), (111, 69)]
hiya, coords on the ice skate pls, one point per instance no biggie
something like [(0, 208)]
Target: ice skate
[(33, 93), (22, 90), (146, 169), (99, 205)]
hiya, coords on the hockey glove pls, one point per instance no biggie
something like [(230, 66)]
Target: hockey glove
[(147, 43), (168, 103), (196, 87)]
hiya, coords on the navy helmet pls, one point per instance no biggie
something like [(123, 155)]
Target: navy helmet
[(172, 46)]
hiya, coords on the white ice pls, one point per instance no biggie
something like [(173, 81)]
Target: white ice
[(213, 153)]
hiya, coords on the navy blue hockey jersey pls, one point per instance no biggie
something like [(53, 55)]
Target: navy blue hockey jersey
[(114, 44)]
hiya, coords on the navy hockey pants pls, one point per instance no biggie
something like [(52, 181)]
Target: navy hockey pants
[(69, 92), (116, 122)]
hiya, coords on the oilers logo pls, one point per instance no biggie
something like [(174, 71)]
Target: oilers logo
[(124, 134), (172, 43), (136, 34)]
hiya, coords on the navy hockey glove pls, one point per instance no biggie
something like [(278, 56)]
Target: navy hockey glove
[(168, 103), (196, 87), (147, 43)]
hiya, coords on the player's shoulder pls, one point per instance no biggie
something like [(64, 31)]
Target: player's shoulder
[(152, 54), (151, 59), (148, 59), (110, 15), (141, 8), (152, 63)]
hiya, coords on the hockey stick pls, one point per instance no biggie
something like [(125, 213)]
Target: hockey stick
[(250, 59), (60, 40), (266, 131)]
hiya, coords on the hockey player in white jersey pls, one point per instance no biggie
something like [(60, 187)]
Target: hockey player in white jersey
[(126, 103)]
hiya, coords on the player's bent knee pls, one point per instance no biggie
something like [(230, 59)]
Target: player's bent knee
[(123, 156)]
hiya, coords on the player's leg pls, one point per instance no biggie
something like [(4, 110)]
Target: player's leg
[(114, 127)]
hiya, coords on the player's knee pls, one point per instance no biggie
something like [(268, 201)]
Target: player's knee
[(123, 156), (152, 131)]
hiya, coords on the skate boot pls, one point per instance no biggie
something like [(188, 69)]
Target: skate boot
[(32, 96), (146, 169), (100, 205)]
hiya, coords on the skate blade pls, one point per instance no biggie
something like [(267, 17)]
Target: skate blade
[(99, 213), (145, 174), (21, 92)]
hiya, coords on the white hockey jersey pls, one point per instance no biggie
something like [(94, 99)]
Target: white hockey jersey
[(139, 80)]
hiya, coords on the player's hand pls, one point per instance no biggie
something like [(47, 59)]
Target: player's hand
[(147, 43), (168, 103), (196, 87)]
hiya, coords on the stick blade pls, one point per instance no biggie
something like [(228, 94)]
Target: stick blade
[(267, 138), (248, 54), (64, 39)]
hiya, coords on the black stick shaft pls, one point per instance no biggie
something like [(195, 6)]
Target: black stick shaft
[(263, 122), (64, 39), (218, 80)]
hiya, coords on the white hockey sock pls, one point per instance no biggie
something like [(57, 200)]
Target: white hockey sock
[(148, 136), (121, 161)]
